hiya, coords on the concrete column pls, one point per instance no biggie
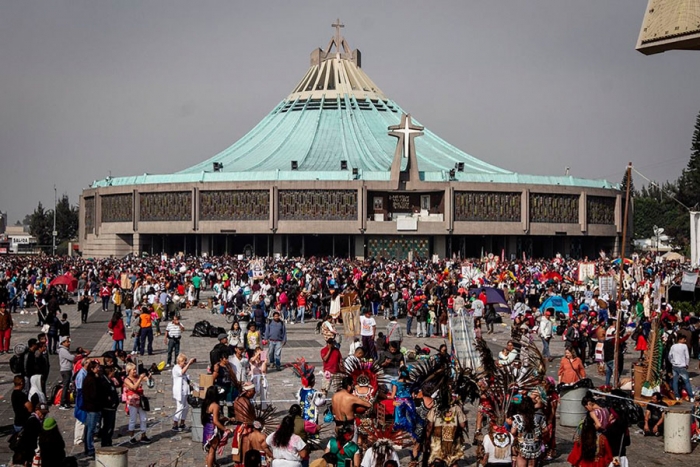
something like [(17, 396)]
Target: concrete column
[(277, 245), (362, 208), (273, 209), (440, 245), (525, 211), (511, 246), (583, 211), (136, 244), (449, 209), (619, 213), (98, 213), (195, 209), (137, 209), (360, 246), (205, 246)]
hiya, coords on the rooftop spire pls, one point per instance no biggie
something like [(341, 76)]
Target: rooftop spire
[(341, 44)]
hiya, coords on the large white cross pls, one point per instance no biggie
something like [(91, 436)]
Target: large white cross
[(406, 131)]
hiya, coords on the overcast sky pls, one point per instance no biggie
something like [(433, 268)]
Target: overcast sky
[(131, 86)]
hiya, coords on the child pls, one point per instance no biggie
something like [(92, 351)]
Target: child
[(432, 322), (443, 323), (64, 326)]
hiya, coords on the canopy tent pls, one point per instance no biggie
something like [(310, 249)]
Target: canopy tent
[(557, 302), (68, 280)]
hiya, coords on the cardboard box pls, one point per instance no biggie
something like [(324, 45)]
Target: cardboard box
[(196, 394), (204, 382)]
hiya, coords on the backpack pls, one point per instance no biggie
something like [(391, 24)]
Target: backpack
[(15, 440), (17, 363)]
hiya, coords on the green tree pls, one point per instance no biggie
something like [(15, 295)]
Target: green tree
[(689, 182), (40, 225), (66, 220)]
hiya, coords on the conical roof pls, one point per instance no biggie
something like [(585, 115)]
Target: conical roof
[(335, 120)]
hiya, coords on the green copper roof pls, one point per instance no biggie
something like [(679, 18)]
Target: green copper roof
[(337, 117)]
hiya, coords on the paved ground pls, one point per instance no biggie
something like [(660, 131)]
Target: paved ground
[(170, 448)]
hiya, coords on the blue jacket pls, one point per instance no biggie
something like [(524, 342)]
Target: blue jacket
[(276, 331)]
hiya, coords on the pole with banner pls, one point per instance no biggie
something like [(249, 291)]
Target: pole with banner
[(616, 375), (463, 340), (694, 238)]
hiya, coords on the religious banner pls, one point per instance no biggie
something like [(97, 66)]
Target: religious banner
[(586, 271), (606, 285), (694, 238), (657, 293), (350, 313), (463, 341), (257, 268), (689, 281)]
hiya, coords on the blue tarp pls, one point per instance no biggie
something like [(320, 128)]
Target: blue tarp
[(557, 302)]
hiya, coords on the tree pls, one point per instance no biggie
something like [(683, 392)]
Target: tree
[(689, 182), (39, 225), (18, 224), (66, 220)]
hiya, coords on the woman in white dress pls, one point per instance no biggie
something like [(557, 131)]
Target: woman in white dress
[(181, 389)]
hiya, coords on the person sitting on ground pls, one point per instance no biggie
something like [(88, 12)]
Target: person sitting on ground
[(654, 416)]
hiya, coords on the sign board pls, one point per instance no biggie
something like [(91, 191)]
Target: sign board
[(18, 240), (606, 286), (689, 281), (407, 223)]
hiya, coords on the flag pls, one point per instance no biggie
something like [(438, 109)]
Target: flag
[(689, 281)]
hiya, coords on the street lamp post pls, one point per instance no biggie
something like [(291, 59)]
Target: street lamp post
[(657, 233), (53, 233)]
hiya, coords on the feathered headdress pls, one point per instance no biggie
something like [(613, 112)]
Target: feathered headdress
[(304, 371), (504, 382), (366, 374), (385, 441)]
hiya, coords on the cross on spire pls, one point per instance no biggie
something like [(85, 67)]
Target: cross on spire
[(337, 25)]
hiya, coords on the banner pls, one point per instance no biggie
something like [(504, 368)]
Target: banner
[(689, 281), (694, 237), (464, 341), (606, 285), (586, 271)]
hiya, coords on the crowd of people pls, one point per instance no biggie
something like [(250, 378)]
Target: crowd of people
[(268, 295)]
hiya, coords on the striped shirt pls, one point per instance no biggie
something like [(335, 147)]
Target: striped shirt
[(173, 330)]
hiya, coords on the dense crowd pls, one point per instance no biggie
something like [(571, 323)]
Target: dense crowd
[(146, 296)]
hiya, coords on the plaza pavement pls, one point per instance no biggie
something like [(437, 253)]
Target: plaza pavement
[(171, 449)]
